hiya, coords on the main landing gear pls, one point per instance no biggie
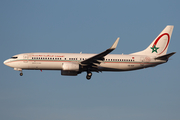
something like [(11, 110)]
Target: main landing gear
[(88, 76)]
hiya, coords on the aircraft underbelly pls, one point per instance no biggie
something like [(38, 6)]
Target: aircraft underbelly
[(117, 67), (45, 65)]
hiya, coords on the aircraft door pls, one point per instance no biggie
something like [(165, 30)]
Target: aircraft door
[(25, 57), (142, 61)]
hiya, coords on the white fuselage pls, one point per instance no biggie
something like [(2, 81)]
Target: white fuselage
[(72, 64), (54, 61)]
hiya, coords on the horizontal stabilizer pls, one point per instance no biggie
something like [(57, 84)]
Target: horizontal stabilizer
[(165, 57)]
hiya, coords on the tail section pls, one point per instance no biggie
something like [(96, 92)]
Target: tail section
[(160, 45)]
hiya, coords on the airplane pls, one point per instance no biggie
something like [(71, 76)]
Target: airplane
[(72, 64)]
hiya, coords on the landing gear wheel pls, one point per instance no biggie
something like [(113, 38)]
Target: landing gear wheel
[(88, 76), (21, 74)]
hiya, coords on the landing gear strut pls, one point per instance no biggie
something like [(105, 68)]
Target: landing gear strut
[(88, 76)]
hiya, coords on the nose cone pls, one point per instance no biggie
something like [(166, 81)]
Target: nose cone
[(5, 62)]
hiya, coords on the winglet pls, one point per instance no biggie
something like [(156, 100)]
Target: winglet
[(115, 44)]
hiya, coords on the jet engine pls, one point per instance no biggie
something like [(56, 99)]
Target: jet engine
[(70, 69)]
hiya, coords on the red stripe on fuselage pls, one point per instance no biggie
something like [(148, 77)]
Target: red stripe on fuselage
[(76, 61)]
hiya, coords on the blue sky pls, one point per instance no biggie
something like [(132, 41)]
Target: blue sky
[(89, 27)]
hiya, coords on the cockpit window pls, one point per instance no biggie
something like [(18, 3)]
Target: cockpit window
[(14, 57)]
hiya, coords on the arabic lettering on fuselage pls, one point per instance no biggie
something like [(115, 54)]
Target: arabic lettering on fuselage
[(47, 56)]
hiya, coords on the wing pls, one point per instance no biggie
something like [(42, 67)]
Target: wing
[(97, 59)]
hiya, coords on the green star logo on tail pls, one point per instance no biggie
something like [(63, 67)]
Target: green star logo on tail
[(154, 49)]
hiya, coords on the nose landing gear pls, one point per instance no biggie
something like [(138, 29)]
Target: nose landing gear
[(21, 74), (19, 69)]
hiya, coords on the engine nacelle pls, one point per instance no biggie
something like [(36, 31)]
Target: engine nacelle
[(70, 69), (69, 66)]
